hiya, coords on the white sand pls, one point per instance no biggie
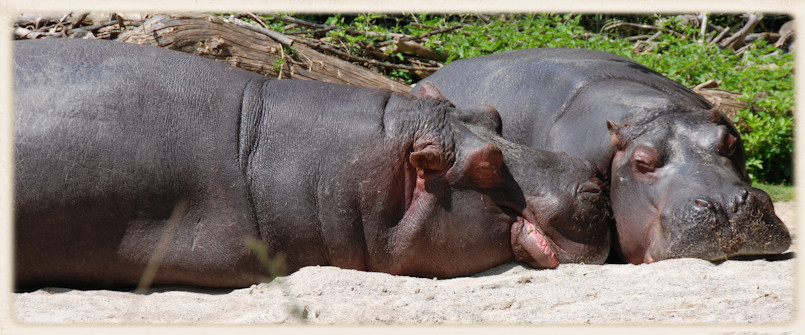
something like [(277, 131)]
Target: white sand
[(667, 292)]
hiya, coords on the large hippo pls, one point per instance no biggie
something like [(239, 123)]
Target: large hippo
[(122, 148), (679, 186)]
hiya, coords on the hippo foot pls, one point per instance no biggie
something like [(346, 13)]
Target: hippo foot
[(531, 246)]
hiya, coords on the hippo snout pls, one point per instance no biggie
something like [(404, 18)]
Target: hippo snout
[(732, 205), (739, 223)]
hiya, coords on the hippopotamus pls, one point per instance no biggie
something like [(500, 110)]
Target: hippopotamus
[(127, 155), (676, 166)]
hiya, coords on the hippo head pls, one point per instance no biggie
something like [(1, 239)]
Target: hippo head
[(552, 208), (680, 189)]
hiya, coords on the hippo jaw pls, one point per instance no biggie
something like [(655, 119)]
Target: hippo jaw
[(531, 245), (739, 225)]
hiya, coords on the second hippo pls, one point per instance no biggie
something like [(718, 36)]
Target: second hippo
[(679, 186)]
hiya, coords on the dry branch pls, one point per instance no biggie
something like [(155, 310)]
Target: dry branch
[(720, 36), (78, 26), (727, 102), (250, 48), (402, 43), (430, 33), (786, 34), (628, 24), (737, 40), (350, 57)]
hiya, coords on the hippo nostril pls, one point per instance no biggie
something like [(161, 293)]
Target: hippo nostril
[(742, 196), (740, 200)]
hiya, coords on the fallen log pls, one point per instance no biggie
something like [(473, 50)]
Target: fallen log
[(727, 102), (252, 49)]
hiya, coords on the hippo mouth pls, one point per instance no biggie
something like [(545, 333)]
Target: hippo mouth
[(530, 245), (717, 230)]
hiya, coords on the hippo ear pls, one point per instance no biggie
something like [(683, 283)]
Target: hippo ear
[(428, 90), (427, 161), (483, 115), (614, 131), (485, 165)]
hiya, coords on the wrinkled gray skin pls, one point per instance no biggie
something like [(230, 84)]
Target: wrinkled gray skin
[(679, 186), (113, 139)]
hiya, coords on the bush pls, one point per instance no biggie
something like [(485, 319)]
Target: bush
[(761, 73)]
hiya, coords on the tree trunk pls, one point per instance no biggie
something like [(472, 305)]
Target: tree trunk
[(253, 50)]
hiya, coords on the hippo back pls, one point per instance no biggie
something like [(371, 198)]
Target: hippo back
[(571, 93)]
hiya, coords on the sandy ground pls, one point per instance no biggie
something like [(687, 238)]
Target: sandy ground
[(666, 292)]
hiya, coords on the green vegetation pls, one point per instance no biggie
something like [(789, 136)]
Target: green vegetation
[(777, 192), (762, 74)]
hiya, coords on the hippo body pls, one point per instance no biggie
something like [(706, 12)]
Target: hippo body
[(126, 154), (679, 186)]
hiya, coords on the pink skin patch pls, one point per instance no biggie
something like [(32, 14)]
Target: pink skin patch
[(636, 247), (647, 258), (651, 236), (531, 246)]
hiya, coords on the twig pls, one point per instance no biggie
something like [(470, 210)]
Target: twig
[(654, 37), (716, 28), (637, 37), (786, 32), (277, 36), (290, 19), (720, 36), (638, 45), (636, 25), (282, 56), (712, 83), (42, 21), (307, 32), (628, 24), (703, 29), (430, 33), (347, 30), (93, 27), (33, 20), (78, 20), (61, 21), (742, 49), (323, 46), (258, 19), (736, 40), (397, 39), (420, 25), (21, 33), (120, 22)]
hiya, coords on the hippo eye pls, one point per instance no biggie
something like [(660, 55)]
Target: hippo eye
[(645, 159), (589, 187), (643, 167)]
